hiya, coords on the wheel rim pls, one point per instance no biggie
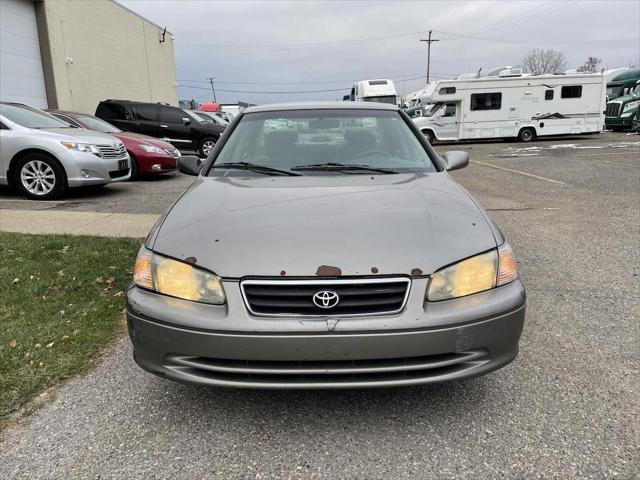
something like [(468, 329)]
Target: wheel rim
[(527, 135), (208, 146), (37, 177)]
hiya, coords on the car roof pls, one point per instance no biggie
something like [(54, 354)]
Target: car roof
[(344, 105)]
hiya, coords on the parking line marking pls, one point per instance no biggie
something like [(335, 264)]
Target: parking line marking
[(519, 172)]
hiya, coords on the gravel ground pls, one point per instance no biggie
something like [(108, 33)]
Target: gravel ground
[(567, 408)]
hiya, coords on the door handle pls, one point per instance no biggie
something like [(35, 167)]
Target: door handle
[(163, 126)]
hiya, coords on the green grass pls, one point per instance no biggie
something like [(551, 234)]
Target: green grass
[(61, 301)]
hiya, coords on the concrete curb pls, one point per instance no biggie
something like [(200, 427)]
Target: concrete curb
[(77, 223)]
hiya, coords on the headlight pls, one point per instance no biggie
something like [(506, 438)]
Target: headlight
[(473, 275), (83, 147), (152, 149), (177, 279)]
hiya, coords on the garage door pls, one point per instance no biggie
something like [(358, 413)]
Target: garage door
[(21, 78)]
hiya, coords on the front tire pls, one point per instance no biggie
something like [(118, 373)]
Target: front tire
[(134, 167), (206, 145), (40, 177), (527, 135), (429, 136)]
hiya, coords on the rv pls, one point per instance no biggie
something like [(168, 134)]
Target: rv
[(525, 107), (382, 91)]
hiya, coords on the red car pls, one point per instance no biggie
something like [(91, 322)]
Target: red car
[(149, 155)]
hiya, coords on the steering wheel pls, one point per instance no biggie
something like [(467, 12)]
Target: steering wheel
[(368, 152)]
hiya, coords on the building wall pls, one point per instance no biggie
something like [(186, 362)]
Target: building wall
[(100, 49), (21, 76)]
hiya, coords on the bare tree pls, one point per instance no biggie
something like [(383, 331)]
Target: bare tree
[(591, 64), (539, 61)]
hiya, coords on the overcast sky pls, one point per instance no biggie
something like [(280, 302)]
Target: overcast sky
[(284, 46)]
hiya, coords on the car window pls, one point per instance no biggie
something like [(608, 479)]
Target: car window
[(146, 112), (3, 126), (112, 111), (172, 115), (30, 117), (288, 139), (64, 118), (96, 124)]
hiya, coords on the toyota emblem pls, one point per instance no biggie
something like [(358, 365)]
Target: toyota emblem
[(326, 299)]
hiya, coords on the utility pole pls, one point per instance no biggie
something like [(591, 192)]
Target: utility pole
[(429, 41), (211, 79)]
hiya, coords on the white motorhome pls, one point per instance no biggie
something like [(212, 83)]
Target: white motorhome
[(526, 107), (383, 91)]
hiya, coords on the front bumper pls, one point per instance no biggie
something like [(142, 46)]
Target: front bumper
[(450, 340), (150, 163), (97, 171), (618, 122)]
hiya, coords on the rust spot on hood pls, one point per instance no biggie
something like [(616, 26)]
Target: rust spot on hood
[(191, 260), (328, 271), (283, 273), (374, 269), (416, 271)]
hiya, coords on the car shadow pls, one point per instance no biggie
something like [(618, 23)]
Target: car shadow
[(437, 401)]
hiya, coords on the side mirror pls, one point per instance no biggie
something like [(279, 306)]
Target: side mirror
[(190, 165), (455, 160), (186, 121)]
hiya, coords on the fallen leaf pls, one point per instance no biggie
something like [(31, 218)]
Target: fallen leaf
[(40, 364), (110, 280), (13, 343), (15, 280), (118, 294), (64, 337), (99, 280), (37, 345), (61, 273), (65, 249), (49, 345)]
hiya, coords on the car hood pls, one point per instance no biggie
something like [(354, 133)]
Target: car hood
[(137, 137), (360, 224), (79, 135)]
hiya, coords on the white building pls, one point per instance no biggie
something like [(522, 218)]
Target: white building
[(71, 54)]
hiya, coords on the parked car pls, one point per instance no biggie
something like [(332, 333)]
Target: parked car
[(42, 155), (149, 155), (213, 117), (331, 250), (158, 120)]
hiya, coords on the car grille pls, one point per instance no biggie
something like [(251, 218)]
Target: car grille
[(367, 296), (329, 374), (109, 152), (613, 109), (118, 173)]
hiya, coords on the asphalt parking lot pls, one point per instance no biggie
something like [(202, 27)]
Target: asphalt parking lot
[(568, 407)]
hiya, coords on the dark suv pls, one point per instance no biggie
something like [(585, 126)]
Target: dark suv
[(162, 121)]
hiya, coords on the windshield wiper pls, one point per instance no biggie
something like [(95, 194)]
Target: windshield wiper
[(335, 166), (254, 167)]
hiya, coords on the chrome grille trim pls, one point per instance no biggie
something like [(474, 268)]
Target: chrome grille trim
[(322, 284), (613, 109), (110, 152)]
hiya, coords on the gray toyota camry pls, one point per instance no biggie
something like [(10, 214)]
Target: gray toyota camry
[(324, 245)]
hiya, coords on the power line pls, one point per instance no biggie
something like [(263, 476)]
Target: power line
[(302, 45), (611, 41), (279, 93)]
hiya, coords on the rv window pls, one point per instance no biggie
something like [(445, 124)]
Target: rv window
[(450, 110), (486, 101), (548, 94), (377, 82), (571, 91), (447, 90)]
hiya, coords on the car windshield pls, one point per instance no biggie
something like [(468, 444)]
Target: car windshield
[(93, 123), (30, 117), (197, 117), (324, 142), (431, 110)]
